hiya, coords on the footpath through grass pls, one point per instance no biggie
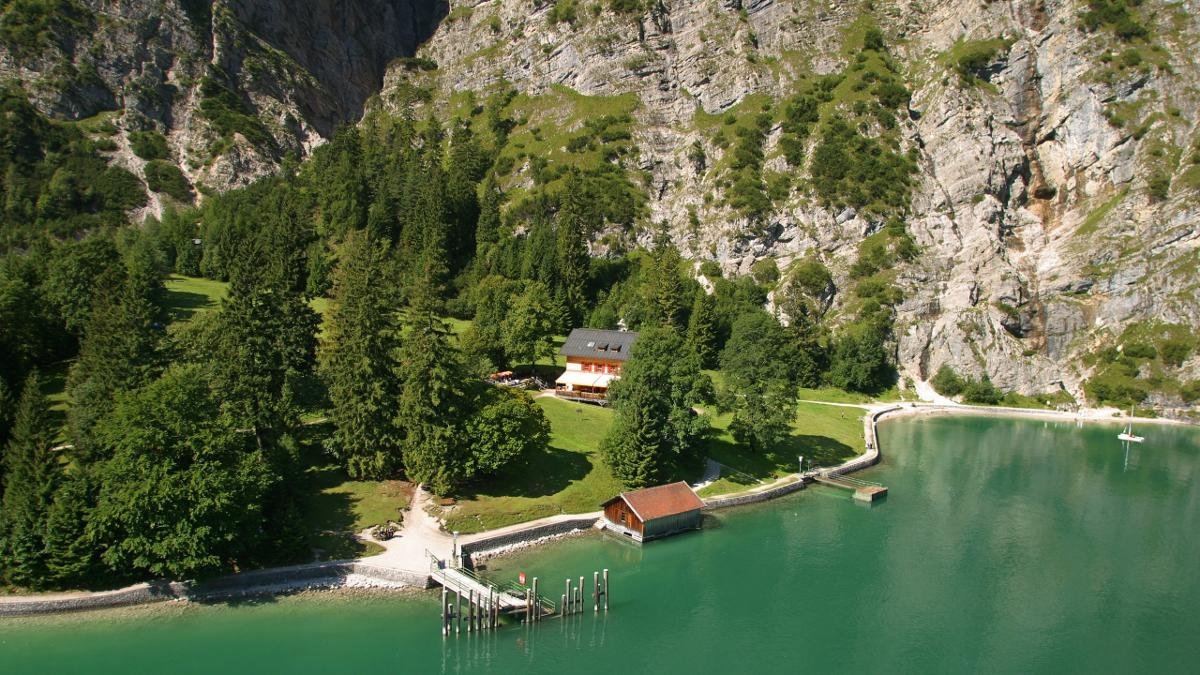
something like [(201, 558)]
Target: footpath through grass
[(568, 477)]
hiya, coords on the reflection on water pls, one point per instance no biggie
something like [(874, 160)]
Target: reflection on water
[(1004, 545)]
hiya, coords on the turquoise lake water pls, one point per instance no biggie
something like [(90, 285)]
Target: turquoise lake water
[(1004, 545)]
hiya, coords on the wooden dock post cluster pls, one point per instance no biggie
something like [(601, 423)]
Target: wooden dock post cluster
[(482, 612), (570, 601)]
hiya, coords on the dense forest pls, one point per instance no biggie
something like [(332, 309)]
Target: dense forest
[(179, 453)]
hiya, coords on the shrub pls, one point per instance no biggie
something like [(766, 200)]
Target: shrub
[(1159, 186), (563, 11), (149, 145), (982, 392), (27, 26), (765, 271), (1190, 392), (971, 59), (1116, 15), (166, 178), (947, 382), (1175, 351), (710, 269), (1139, 350)]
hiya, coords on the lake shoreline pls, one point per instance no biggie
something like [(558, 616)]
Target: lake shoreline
[(361, 574)]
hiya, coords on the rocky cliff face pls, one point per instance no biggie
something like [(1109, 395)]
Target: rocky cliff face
[(1054, 196), (1055, 200), (235, 85)]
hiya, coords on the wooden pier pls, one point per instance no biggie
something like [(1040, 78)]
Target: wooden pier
[(486, 601), (864, 491)]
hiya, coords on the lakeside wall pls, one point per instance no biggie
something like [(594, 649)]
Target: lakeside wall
[(500, 542), (333, 574)]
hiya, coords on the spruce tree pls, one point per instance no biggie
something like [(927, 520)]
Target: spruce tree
[(33, 474), (487, 230), (359, 364), (433, 404), (266, 344), (7, 412), (572, 252), (664, 284), (528, 327), (655, 433), (465, 167), (117, 354), (702, 329), (71, 558)]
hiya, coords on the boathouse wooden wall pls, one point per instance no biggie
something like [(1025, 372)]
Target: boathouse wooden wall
[(661, 527), (619, 508)]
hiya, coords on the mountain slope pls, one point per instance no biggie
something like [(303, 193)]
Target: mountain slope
[(1053, 186)]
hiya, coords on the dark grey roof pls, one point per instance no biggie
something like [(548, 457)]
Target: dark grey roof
[(612, 345)]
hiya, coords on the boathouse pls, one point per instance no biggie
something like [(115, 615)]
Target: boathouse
[(594, 359), (654, 512)]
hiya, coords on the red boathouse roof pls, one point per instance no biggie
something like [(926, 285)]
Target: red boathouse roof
[(660, 501)]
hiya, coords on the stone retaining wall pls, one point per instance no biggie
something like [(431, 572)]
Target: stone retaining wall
[(324, 574), (280, 579), (871, 455), (138, 594), (501, 541)]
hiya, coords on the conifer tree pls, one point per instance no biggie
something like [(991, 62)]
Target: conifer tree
[(487, 230), (664, 287), (424, 233), (71, 558), (528, 328), (266, 344), (359, 364), (465, 167), (702, 329), (655, 432), (7, 411), (342, 199), (33, 474), (433, 404), (572, 252), (117, 354)]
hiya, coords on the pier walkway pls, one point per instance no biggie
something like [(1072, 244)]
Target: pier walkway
[(467, 584), (864, 490)]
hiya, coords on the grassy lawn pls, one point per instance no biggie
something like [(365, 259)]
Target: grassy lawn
[(189, 296), (335, 507), (824, 435), (569, 477)]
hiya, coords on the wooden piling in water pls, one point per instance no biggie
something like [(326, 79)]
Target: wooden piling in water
[(457, 612), (606, 590), (595, 591), (537, 603), (579, 597), (445, 623)]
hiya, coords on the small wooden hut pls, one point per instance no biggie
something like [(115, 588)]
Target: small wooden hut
[(654, 512)]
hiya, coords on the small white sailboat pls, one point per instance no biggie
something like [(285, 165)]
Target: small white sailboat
[(1128, 434)]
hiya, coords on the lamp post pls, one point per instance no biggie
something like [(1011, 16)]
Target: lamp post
[(454, 551), (801, 463)]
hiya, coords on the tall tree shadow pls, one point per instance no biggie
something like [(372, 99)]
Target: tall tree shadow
[(183, 305), (537, 474)]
